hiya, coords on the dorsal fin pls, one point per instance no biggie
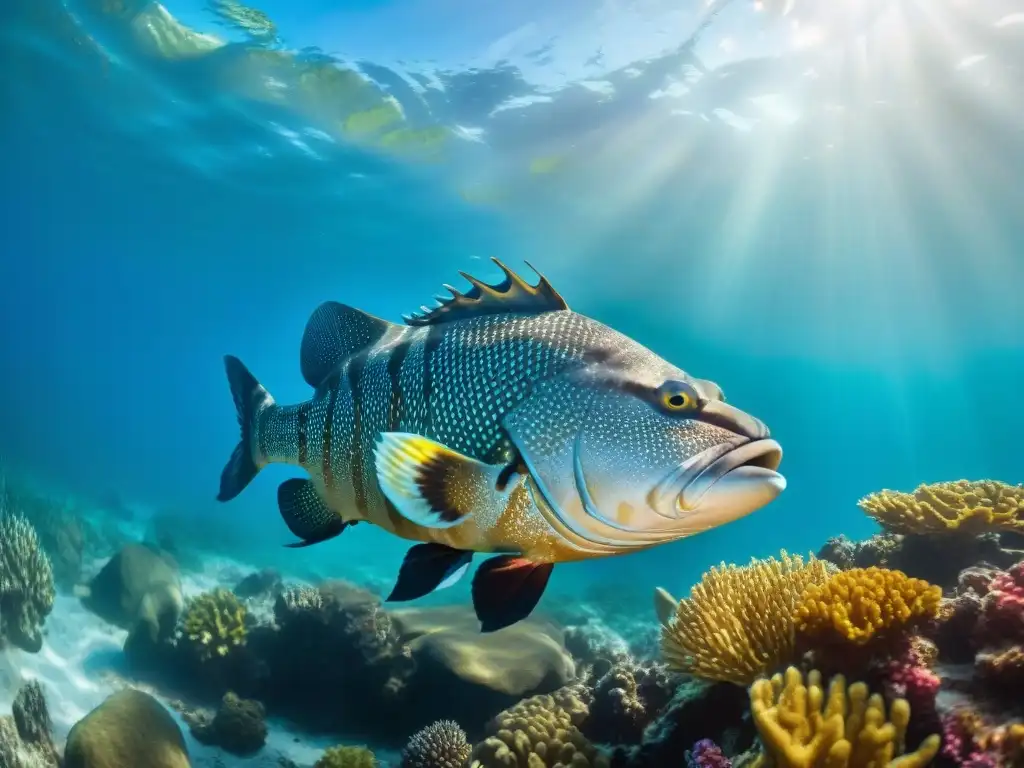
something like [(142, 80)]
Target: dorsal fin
[(513, 295), (334, 333)]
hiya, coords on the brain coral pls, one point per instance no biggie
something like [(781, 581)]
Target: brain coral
[(964, 506), (26, 584), (857, 605), (537, 732), (213, 624), (737, 623), (802, 727)]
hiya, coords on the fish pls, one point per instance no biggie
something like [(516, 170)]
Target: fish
[(498, 422)]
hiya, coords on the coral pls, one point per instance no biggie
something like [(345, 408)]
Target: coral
[(25, 736), (213, 624), (962, 733), (1002, 671), (239, 727), (961, 506), (909, 676), (857, 605), (707, 754), (801, 726), (26, 584), (1002, 609), (130, 728), (347, 757), (440, 745), (265, 582), (846, 554), (625, 701), (737, 622), (537, 732)]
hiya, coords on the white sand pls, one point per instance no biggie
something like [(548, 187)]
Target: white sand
[(80, 652)]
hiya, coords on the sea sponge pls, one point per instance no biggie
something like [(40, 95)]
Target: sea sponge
[(737, 623), (213, 624), (26, 583), (347, 757), (857, 605), (801, 727), (961, 506), (440, 745), (542, 731)]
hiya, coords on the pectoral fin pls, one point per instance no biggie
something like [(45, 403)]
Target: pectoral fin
[(306, 514), (432, 485), (506, 589), (429, 567)]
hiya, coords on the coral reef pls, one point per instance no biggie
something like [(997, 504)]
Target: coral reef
[(738, 622), (707, 754), (540, 731), (26, 584), (802, 726), (961, 506), (347, 757), (440, 745), (859, 605), (213, 625), (626, 699), (25, 735), (130, 728), (238, 727)]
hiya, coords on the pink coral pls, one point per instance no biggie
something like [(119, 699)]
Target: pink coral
[(1002, 610), (959, 744)]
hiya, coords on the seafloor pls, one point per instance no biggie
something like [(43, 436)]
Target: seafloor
[(126, 646)]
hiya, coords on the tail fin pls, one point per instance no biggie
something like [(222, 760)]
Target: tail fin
[(250, 398)]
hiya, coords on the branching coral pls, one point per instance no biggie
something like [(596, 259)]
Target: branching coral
[(737, 623), (213, 624), (537, 732), (440, 745), (962, 506), (802, 727), (857, 605), (26, 583)]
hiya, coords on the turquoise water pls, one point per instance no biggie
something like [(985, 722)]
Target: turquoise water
[(818, 210)]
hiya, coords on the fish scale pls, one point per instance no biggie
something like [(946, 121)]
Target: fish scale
[(499, 422)]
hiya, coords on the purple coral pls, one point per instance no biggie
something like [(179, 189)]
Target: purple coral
[(707, 754)]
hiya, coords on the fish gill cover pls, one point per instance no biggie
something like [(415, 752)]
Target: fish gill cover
[(763, 227)]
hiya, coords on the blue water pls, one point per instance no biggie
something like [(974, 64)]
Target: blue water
[(831, 232)]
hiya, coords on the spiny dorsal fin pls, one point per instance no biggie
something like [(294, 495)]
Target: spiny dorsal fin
[(512, 295), (334, 333)]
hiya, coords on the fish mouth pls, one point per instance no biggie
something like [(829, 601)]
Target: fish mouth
[(734, 481)]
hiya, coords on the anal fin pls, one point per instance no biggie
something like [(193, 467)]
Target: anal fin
[(506, 589), (426, 568), (432, 485), (306, 514)]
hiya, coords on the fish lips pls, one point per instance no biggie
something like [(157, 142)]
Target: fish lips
[(735, 479)]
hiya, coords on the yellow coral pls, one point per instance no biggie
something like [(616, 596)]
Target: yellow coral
[(802, 728), (539, 732), (961, 506), (214, 624), (858, 604), (737, 623)]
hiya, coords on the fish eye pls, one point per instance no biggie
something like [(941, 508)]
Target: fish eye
[(677, 396)]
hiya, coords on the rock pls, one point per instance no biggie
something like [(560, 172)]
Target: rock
[(265, 583), (139, 590), (25, 736), (129, 729), (239, 726)]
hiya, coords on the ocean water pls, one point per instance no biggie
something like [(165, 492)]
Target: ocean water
[(817, 208)]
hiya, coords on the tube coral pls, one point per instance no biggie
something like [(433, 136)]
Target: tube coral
[(737, 622)]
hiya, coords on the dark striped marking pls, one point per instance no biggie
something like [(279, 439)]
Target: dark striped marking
[(435, 334), (395, 360), (333, 385), (303, 420), (355, 374)]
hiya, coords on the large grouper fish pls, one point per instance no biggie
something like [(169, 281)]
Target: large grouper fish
[(498, 422)]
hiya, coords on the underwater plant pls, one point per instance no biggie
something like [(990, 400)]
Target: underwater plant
[(859, 605), (26, 583), (738, 622), (961, 506), (803, 726), (213, 624), (347, 757)]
